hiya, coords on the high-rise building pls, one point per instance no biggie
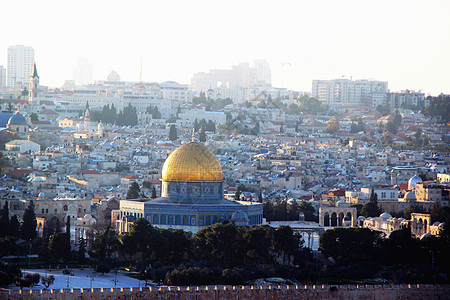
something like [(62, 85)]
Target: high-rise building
[(2, 77), (263, 74), (339, 92), (240, 75), (82, 74), (20, 65)]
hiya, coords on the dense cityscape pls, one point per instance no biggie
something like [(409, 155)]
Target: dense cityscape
[(230, 186)]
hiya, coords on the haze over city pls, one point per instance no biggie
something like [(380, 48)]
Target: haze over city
[(405, 43)]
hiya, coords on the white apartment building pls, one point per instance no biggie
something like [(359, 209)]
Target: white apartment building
[(406, 99), (174, 91), (2, 77), (339, 92), (20, 65)]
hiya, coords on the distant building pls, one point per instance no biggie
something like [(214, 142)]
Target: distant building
[(241, 75), (113, 76), (340, 92), (82, 74), (174, 91), (13, 148), (2, 77), (20, 65)]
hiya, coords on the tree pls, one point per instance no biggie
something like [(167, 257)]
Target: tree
[(59, 248), (81, 257), (34, 117), (173, 133), (255, 129), (68, 226), (371, 208), (28, 228), (4, 220), (134, 191), (332, 125), (47, 280), (202, 134), (14, 227), (24, 92), (153, 110)]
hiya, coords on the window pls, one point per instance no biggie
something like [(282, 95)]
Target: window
[(42, 210), (65, 207), (383, 195)]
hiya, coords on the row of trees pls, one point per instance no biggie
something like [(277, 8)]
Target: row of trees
[(109, 115), (284, 211), (363, 253)]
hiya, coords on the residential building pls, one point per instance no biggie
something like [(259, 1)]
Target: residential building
[(20, 65), (340, 92), (2, 77)]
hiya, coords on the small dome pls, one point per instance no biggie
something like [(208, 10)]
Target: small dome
[(192, 162), (385, 216), (347, 218), (41, 195), (410, 196), (436, 224), (361, 218), (413, 181), (17, 119)]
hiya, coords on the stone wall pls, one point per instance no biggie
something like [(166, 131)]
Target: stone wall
[(320, 292)]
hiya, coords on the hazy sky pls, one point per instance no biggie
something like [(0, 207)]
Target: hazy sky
[(406, 43)]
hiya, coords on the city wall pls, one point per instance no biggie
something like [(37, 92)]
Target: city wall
[(320, 292)]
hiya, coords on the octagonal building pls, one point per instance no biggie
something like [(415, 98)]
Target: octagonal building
[(191, 195)]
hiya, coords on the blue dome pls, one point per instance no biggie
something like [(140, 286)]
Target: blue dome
[(4, 118), (17, 119)]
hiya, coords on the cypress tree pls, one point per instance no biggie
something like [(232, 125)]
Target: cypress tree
[(28, 228), (173, 133), (4, 220), (14, 226), (202, 135)]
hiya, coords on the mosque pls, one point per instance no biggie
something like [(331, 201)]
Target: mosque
[(192, 196)]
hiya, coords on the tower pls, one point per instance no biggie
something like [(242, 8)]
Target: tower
[(87, 120), (33, 88), (20, 65)]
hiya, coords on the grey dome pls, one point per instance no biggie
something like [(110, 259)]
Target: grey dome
[(413, 181), (17, 119)]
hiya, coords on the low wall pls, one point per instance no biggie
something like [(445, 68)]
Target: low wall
[(321, 292)]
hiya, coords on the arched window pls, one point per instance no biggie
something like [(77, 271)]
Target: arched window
[(326, 219), (333, 219), (65, 207)]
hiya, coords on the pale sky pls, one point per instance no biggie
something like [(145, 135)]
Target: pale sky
[(406, 43)]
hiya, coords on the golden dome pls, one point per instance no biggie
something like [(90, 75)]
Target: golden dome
[(192, 162)]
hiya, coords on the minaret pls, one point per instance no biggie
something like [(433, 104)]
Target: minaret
[(33, 88), (87, 120)]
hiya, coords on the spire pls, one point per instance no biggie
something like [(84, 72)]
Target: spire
[(193, 134), (34, 74)]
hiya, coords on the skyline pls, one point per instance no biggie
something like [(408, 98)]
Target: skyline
[(405, 43)]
